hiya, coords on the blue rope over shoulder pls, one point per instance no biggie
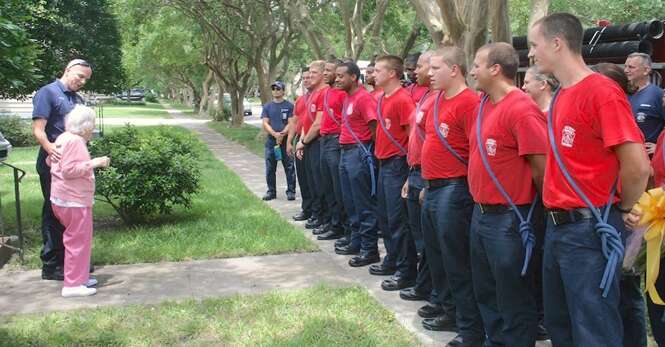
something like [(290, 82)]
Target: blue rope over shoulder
[(526, 227), (419, 106), (367, 156), (612, 245), (440, 135), (327, 108), (382, 122)]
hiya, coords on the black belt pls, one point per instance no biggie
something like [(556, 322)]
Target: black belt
[(330, 136), (442, 182), (560, 217), (414, 168), (387, 160), (352, 145), (494, 208)]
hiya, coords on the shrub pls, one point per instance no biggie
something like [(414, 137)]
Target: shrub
[(150, 97), (17, 131), (151, 171), (120, 102)]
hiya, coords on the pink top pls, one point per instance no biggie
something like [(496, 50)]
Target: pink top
[(72, 177)]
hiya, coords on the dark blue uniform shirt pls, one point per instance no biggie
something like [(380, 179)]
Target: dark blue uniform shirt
[(278, 114), (53, 102), (647, 105)]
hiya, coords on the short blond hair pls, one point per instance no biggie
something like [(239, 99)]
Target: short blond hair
[(80, 119), (452, 55), (318, 64)]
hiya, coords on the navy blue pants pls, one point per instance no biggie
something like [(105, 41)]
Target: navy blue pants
[(633, 310), (312, 159), (305, 193), (358, 200), (423, 279), (53, 250), (271, 167), (504, 296), (446, 217), (576, 314), (332, 189), (657, 312), (393, 218)]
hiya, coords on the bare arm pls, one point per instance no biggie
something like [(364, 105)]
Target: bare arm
[(314, 129), (267, 127), (634, 171), (537, 164), (39, 131)]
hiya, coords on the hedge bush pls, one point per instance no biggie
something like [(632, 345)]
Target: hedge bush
[(151, 171), (17, 131)]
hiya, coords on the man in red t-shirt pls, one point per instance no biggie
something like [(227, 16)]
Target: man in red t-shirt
[(374, 91), (295, 129), (422, 290), (511, 148), (309, 147), (329, 115), (599, 143), (392, 138), (448, 205), (357, 167)]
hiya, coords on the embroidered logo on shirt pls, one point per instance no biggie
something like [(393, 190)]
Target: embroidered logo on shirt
[(490, 145), (443, 128), (640, 117), (419, 117), (388, 123), (568, 136), (312, 108), (349, 109)]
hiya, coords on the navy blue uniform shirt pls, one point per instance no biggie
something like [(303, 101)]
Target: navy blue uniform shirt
[(278, 114), (53, 102), (647, 105)]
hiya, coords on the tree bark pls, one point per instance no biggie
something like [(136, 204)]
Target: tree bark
[(205, 91), (539, 9), (499, 21), (411, 40), (430, 14)]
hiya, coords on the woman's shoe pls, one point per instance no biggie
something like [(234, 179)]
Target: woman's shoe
[(70, 292)]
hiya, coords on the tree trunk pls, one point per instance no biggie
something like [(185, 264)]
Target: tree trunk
[(539, 9), (430, 14), (205, 90), (500, 23), (411, 40)]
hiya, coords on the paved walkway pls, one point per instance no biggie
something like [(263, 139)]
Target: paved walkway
[(24, 292)]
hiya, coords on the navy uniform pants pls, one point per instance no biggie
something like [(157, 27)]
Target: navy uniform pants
[(312, 159), (446, 215), (271, 168), (576, 313), (358, 200), (505, 297), (423, 279), (53, 250), (332, 190), (393, 218)]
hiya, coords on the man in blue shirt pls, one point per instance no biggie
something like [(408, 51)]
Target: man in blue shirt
[(276, 116), (50, 105), (647, 101)]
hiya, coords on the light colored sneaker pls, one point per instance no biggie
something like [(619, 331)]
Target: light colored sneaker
[(91, 282), (70, 292)]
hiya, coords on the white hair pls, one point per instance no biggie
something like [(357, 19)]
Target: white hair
[(80, 119)]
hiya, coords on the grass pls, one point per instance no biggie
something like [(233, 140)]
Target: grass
[(318, 316), (149, 110), (185, 109), (245, 135), (226, 220)]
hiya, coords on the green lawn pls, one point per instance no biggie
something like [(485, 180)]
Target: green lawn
[(185, 109), (149, 110), (245, 135), (226, 220), (319, 316)]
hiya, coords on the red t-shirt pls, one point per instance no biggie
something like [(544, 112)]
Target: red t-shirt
[(312, 105), (417, 130), (359, 110), (658, 162), (456, 116), (589, 119), (300, 111), (395, 112), (335, 98), (417, 91), (376, 92), (511, 129)]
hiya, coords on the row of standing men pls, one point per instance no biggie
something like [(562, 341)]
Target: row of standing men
[(501, 226)]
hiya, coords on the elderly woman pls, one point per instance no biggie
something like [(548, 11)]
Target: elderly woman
[(72, 193), (540, 87)]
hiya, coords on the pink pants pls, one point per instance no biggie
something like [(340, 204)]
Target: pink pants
[(77, 239)]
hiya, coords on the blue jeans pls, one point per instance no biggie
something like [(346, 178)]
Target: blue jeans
[(53, 250), (332, 190), (358, 200), (423, 279), (271, 168), (312, 159), (393, 218), (576, 314), (447, 212), (505, 297)]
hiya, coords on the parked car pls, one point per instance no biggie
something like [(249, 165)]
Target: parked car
[(135, 94), (245, 103), (5, 146)]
